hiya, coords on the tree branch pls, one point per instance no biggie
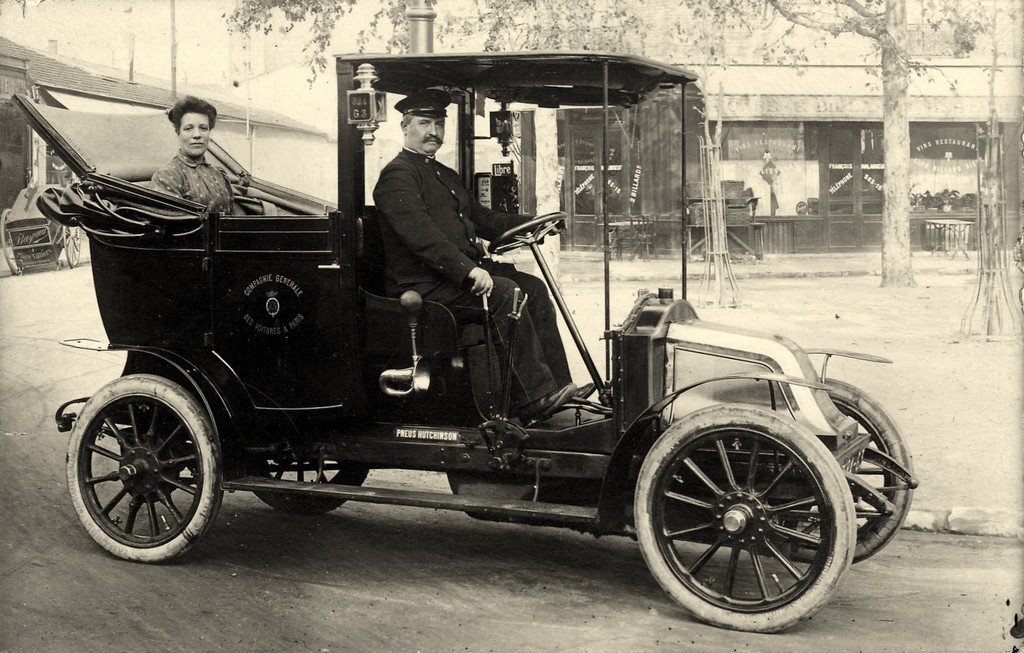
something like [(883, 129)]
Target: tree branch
[(862, 10), (866, 27)]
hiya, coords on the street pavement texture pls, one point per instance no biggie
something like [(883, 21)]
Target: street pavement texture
[(388, 578)]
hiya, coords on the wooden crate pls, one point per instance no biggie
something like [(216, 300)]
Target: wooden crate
[(737, 216)]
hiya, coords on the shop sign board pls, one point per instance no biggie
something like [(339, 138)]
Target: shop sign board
[(859, 107)]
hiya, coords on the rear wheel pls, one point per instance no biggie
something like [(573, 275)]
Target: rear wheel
[(875, 530), (342, 473), (713, 500), (6, 245), (144, 469)]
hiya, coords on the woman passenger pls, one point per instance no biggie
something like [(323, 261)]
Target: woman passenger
[(189, 175)]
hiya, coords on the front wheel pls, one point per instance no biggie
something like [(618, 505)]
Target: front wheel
[(144, 469), (714, 500)]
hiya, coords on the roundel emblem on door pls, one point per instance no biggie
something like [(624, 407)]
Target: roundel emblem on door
[(273, 305)]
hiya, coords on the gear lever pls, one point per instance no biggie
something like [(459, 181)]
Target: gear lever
[(518, 303)]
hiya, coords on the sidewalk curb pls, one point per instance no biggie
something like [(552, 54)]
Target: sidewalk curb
[(571, 277), (966, 520)]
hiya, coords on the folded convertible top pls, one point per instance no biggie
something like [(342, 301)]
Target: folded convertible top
[(115, 156)]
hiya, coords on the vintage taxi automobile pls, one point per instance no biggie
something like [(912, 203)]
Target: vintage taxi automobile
[(263, 356)]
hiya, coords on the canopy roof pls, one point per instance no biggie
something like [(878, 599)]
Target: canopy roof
[(547, 79)]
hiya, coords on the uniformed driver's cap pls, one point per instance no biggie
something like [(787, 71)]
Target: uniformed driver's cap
[(429, 103)]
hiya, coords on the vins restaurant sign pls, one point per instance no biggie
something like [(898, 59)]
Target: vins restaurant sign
[(944, 152)]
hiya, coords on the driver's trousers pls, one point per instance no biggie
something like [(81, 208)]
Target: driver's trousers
[(539, 364)]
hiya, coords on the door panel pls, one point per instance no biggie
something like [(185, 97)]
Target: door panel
[(842, 181), (856, 178), (278, 315), (585, 181), (872, 187)]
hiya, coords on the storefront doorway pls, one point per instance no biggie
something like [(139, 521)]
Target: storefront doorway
[(584, 180), (855, 175)]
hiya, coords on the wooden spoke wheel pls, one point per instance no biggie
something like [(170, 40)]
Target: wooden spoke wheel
[(341, 472), (72, 245), (874, 529), (144, 469), (6, 245), (713, 500)]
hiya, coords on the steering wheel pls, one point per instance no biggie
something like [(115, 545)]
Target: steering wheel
[(528, 233)]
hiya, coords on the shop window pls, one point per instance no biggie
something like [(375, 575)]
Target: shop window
[(778, 161), (943, 168)]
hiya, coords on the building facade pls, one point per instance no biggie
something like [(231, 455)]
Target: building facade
[(804, 140)]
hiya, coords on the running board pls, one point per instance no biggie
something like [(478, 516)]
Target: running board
[(554, 512)]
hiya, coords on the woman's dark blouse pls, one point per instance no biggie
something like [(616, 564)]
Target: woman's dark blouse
[(198, 182)]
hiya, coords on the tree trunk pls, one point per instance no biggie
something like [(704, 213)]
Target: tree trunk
[(896, 268)]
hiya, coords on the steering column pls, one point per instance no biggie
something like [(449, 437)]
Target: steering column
[(530, 234)]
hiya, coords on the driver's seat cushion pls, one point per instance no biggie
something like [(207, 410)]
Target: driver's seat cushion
[(387, 328)]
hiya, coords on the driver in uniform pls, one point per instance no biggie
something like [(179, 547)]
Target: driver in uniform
[(430, 225)]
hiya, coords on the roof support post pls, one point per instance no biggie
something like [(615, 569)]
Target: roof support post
[(684, 233), (604, 215)]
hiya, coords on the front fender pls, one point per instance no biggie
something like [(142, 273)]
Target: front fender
[(222, 407), (617, 486), (843, 353)]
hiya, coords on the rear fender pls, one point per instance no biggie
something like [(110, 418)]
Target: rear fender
[(223, 408), (639, 437)]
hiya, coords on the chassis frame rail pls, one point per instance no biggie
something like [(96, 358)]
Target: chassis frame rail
[(561, 513)]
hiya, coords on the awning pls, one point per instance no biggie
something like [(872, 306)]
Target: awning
[(955, 94)]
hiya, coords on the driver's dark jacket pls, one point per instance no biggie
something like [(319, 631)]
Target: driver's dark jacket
[(430, 223)]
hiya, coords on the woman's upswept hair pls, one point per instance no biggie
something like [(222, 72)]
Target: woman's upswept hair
[(190, 104)]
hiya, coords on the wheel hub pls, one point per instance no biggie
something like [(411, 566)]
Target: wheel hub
[(127, 472), (741, 517), (735, 520), (139, 470)]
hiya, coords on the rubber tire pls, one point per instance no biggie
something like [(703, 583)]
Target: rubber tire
[(820, 461), (72, 246), (296, 504), (176, 399), (888, 440)]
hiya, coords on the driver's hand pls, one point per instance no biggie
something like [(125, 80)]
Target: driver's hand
[(482, 281)]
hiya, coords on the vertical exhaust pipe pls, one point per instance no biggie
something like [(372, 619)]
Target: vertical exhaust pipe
[(421, 14)]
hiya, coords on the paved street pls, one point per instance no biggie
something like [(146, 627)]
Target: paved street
[(381, 578)]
